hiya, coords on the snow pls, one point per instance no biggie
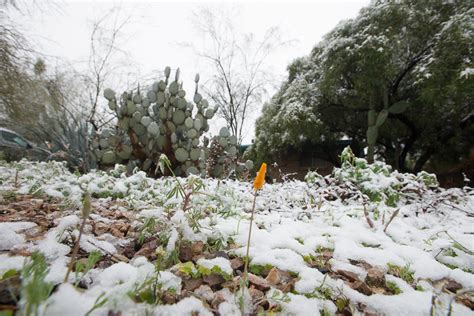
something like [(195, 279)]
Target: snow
[(118, 274), (184, 307), (222, 263), (466, 73), (10, 263), (292, 220), (169, 281), (300, 305), (68, 301), (9, 236)]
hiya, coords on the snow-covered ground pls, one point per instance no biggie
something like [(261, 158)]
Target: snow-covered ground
[(363, 240)]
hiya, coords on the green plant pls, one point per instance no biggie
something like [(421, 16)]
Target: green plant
[(34, 288), (393, 287), (321, 292), (402, 272), (203, 271), (81, 268), (150, 291), (146, 229), (189, 269), (9, 196), (259, 269), (376, 119), (99, 302), (362, 175), (214, 244), (419, 288)]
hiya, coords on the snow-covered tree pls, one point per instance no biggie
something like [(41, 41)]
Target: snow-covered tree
[(417, 54)]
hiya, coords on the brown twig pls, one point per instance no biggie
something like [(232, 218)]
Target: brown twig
[(246, 266), (16, 178), (75, 251), (369, 221), (391, 219), (86, 210)]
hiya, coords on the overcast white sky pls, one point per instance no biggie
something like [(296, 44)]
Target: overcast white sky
[(152, 37)]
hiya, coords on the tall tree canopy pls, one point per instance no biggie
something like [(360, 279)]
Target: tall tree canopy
[(416, 54)]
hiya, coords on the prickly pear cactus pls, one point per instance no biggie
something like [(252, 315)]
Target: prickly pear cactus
[(376, 120), (163, 121)]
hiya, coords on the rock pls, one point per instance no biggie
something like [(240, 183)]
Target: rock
[(115, 232), (169, 298), (10, 290), (187, 251), (259, 282), (453, 286), (348, 275), (221, 254), (466, 300), (256, 295), (148, 250), (237, 263), (361, 264), (273, 276), (231, 285), (361, 287), (204, 292), (213, 279), (119, 258), (192, 284), (197, 247), (286, 287), (219, 297), (375, 276)]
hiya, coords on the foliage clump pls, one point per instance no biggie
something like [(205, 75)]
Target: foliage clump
[(394, 63)]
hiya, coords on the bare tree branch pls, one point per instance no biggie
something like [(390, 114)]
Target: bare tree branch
[(240, 79)]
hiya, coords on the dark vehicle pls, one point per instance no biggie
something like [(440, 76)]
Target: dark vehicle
[(15, 147)]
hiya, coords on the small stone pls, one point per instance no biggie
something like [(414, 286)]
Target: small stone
[(101, 228), (273, 276), (192, 284), (348, 275), (453, 286), (237, 263), (231, 285), (115, 232), (375, 276), (213, 279), (185, 253), (219, 297), (148, 250), (259, 282), (222, 254), (10, 290), (188, 251), (120, 258), (169, 298), (204, 292), (197, 247), (361, 287), (256, 295), (286, 287), (466, 300)]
